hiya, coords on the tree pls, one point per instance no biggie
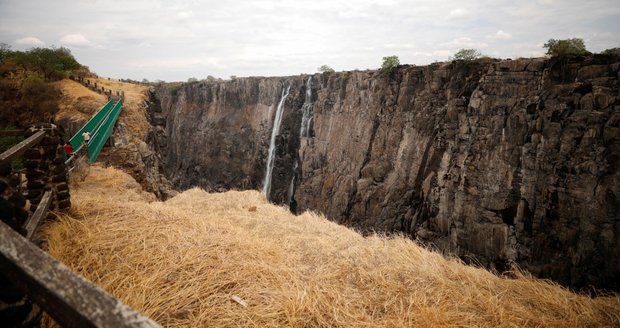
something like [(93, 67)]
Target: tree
[(211, 79), (612, 52), (389, 63), (566, 48), (52, 63), (466, 55), (192, 79), (325, 69), (5, 51)]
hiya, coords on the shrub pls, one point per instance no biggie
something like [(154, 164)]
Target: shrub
[(192, 79), (466, 55), (389, 63), (52, 63), (5, 51), (6, 142), (39, 98), (566, 48), (611, 52), (325, 69)]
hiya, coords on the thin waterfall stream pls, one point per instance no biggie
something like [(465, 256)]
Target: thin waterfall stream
[(272, 144), (304, 132)]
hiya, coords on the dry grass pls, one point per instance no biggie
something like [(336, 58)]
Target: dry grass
[(78, 103), (134, 109), (181, 262)]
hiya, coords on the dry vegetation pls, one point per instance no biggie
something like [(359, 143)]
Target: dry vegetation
[(182, 262), (79, 103), (134, 110)]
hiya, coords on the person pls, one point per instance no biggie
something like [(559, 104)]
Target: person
[(68, 149), (86, 137)]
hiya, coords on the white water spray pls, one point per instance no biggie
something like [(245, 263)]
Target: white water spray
[(306, 109), (272, 144), (304, 131)]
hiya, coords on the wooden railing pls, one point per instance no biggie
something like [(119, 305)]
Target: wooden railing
[(66, 296), (21, 147)]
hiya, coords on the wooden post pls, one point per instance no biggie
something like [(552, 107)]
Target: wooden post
[(21, 147), (33, 222), (67, 297)]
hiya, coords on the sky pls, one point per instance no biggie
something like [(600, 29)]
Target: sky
[(174, 40)]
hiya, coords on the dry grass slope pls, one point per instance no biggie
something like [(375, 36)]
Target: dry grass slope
[(182, 260), (134, 110), (79, 104)]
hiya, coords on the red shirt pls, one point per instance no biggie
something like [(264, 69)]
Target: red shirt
[(68, 149)]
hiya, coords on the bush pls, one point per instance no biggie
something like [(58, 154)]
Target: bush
[(325, 69), (612, 52), (566, 48), (5, 51), (53, 63), (389, 63), (466, 55), (192, 79), (6, 142)]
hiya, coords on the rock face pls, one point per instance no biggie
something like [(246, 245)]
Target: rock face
[(496, 161)]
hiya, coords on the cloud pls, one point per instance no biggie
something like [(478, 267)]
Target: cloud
[(464, 42), (30, 41), (398, 46), (76, 40), (501, 35), (184, 14), (548, 2), (458, 13), (176, 39), (442, 53)]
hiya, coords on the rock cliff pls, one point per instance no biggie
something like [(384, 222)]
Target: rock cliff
[(497, 162)]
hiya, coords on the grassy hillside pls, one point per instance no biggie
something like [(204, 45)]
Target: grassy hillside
[(183, 261)]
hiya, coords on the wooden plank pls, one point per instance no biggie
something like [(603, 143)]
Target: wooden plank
[(11, 133), (21, 147), (67, 297), (41, 212)]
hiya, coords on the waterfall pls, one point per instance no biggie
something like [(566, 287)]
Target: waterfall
[(304, 132), (272, 144), (291, 187), (306, 109)]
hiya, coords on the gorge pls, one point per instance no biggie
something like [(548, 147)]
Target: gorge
[(494, 161)]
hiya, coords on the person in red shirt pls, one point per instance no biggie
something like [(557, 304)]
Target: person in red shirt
[(68, 149)]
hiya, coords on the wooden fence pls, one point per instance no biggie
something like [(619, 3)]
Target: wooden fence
[(66, 296)]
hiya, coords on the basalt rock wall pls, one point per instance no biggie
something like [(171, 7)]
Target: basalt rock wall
[(493, 161)]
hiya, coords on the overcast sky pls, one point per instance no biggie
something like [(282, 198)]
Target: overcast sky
[(174, 40)]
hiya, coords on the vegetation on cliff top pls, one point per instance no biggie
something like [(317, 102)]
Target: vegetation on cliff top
[(466, 55), (27, 96), (566, 48), (52, 64), (325, 69), (389, 64), (233, 259)]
